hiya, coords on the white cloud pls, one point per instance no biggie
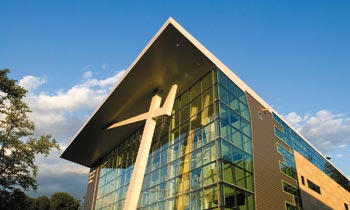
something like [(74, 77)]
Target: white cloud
[(87, 75), (326, 130), (61, 114), (30, 83), (83, 96), (339, 155)]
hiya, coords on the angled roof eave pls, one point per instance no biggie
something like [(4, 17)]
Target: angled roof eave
[(72, 150), (122, 78), (212, 58)]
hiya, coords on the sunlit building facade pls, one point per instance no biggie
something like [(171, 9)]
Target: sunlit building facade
[(220, 147)]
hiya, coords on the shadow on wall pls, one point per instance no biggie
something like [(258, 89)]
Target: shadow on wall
[(312, 203)]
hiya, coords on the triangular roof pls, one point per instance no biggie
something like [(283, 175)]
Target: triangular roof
[(173, 56)]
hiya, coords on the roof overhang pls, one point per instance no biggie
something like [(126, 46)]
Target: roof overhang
[(170, 58), (173, 56)]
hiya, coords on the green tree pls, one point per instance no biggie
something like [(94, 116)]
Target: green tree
[(63, 201), (40, 203), (15, 200), (18, 147)]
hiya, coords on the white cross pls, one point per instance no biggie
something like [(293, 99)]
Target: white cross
[(138, 173)]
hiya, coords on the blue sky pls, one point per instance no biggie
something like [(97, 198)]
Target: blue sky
[(294, 54)]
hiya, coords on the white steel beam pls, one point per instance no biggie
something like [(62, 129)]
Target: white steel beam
[(155, 111)]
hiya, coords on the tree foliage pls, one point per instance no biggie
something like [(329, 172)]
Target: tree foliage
[(15, 200), (18, 147), (63, 201), (40, 203), (18, 200)]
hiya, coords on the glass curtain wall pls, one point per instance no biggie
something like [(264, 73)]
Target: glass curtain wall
[(115, 173), (298, 144), (201, 156)]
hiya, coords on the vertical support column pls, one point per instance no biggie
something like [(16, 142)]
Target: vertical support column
[(90, 196), (134, 190)]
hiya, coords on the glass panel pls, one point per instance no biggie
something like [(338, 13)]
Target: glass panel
[(173, 136), (171, 204), (247, 144), (184, 184), (224, 112), (195, 122), (211, 197), (232, 88), (236, 138), (241, 96), (173, 168), (250, 201), (174, 122), (238, 157), (207, 97), (156, 161), (196, 200), (222, 79), (163, 157), (225, 131), (241, 199), (183, 202), (173, 150), (223, 94), (226, 151), (250, 184), (195, 106), (229, 197), (196, 179), (195, 90), (248, 163), (155, 178), (233, 103), (234, 120), (210, 175), (228, 172), (207, 115), (187, 163), (239, 177), (209, 153), (209, 133), (171, 188), (185, 98), (244, 111), (197, 136), (185, 113), (163, 173), (246, 127), (196, 160), (207, 81)]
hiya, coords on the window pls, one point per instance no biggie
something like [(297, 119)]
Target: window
[(290, 207), (290, 189), (302, 180), (346, 206), (314, 186), (288, 171)]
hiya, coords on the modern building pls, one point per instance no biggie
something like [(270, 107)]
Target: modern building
[(181, 131)]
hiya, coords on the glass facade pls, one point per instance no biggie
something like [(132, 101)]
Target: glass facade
[(298, 144), (115, 173), (201, 156)]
